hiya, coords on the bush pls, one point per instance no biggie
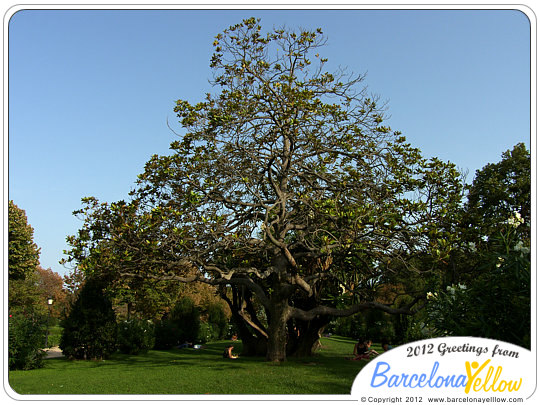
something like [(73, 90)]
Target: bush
[(208, 332), (181, 325), (90, 329), (167, 335), (496, 304), (186, 318), (135, 336), (26, 339)]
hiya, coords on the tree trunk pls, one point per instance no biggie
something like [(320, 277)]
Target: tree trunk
[(277, 331), (253, 344), (254, 347), (307, 342), (307, 345)]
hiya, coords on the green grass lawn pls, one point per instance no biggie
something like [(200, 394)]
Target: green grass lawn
[(55, 332), (188, 371)]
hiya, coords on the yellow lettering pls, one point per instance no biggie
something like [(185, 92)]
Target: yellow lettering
[(487, 384), (488, 376), (516, 386), (497, 374), (472, 376), (501, 387)]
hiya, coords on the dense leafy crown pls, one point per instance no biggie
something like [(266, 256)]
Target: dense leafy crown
[(286, 174)]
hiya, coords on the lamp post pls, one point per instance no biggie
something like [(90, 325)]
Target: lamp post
[(49, 303)]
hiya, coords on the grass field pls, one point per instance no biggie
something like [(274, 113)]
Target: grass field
[(188, 372)]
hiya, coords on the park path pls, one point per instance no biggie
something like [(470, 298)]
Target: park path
[(53, 352)]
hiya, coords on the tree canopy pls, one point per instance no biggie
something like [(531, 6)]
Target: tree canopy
[(285, 188), (500, 191)]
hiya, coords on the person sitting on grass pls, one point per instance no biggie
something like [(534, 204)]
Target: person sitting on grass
[(358, 351), (362, 350), (228, 354), (385, 346), (370, 351)]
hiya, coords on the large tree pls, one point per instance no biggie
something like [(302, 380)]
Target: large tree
[(286, 191)]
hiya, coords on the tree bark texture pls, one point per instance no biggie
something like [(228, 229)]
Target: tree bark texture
[(277, 331)]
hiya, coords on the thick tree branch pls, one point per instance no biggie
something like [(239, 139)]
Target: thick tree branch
[(328, 311)]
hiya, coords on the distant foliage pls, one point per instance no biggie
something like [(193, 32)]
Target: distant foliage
[(135, 336), (369, 324), (218, 320), (353, 326), (207, 333), (51, 285), (26, 339), (90, 329)]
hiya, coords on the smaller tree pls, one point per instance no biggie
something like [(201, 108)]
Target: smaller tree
[(24, 294), (26, 306), (497, 192), (90, 329), (488, 283), (51, 285), (23, 252)]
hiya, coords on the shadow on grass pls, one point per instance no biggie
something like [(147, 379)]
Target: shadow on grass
[(340, 339), (159, 358)]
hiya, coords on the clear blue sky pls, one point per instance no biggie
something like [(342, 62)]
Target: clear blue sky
[(90, 92)]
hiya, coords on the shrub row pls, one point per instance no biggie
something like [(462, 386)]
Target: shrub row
[(27, 337), (91, 331), (137, 336)]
